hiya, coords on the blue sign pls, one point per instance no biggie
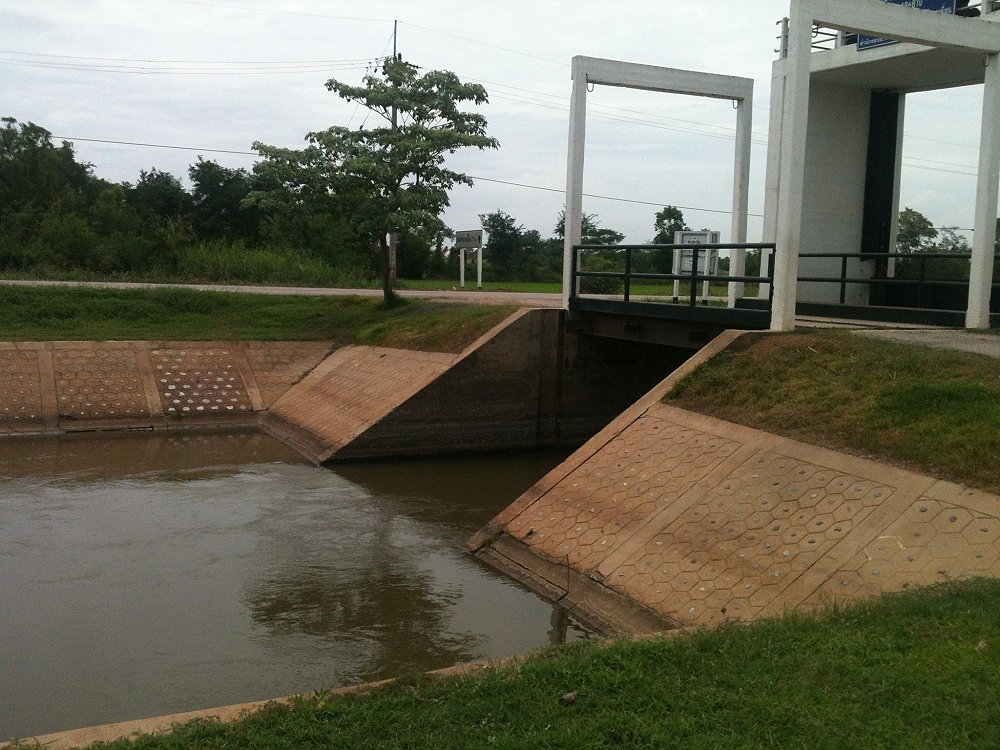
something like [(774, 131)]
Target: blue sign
[(937, 6)]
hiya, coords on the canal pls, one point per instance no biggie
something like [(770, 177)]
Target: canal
[(144, 574)]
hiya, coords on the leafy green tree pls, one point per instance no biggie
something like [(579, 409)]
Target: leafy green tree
[(219, 208), (390, 179), (667, 221), (503, 246), (38, 175), (592, 231), (950, 241), (159, 194), (915, 232)]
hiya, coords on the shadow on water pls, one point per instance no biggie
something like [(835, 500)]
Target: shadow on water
[(143, 574)]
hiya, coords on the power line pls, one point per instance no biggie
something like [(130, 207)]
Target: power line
[(186, 62), (157, 145), (607, 197), (284, 12), (484, 179), (481, 43), (470, 40), (142, 70)]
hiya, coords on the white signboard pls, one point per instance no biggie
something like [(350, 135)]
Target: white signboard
[(471, 239)]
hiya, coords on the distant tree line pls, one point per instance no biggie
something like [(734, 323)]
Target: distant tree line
[(307, 216)]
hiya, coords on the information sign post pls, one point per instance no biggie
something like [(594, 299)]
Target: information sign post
[(471, 239)]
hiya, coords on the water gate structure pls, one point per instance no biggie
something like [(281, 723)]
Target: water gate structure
[(838, 93)]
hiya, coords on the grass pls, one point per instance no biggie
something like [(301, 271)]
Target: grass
[(936, 411), (913, 670), (68, 313)]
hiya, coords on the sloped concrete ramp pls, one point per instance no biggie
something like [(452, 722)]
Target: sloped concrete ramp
[(697, 521), (349, 392)]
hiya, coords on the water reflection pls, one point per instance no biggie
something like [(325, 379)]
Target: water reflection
[(148, 574)]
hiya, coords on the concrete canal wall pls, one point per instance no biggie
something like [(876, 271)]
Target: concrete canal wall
[(67, 386), (525, 384), (670, 515)]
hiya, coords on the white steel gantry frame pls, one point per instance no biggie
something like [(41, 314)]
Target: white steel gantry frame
[(589, 71), (904, 24)]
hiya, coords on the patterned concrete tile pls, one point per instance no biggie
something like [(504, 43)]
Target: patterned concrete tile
[(702, 521), (96, 382), (20, 395), (198, 381)]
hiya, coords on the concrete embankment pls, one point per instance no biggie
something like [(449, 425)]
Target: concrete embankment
[(67, 386), (527, 383), (695, 521)]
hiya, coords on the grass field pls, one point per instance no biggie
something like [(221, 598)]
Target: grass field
[(934, 410), (915, 670), (70, 313)]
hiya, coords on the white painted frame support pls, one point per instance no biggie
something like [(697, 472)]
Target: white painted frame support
[(906, 25), (588, 71), (981, 271)]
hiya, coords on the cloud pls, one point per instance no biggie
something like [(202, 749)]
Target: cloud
[(522, 48)]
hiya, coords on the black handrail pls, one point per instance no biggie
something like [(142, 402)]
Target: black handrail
[(920, 282), (694, 277)]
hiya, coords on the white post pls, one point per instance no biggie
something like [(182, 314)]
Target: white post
[(479, 268), (461, 268), (772, 176), (574, 180), (795, 119), (741, 193), (981, 271), (677, 267)]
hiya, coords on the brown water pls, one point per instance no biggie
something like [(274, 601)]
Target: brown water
[(146, 574)]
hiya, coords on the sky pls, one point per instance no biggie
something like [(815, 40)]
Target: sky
[(217, 75)]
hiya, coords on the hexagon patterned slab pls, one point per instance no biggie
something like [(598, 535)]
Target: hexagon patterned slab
[(98, 382), (20, 399), (703, 521)]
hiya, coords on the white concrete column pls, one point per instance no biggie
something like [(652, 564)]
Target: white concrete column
[(741, 193), (772, 177), (897, 184), (574, 178), (795, 118), (981, 271)]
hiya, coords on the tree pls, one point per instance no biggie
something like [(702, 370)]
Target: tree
[(36, 174), (592, 231), (218, 194), (950, 241), (668, 221), (503, 248), (159, 194), (915, 232), (390, 179)]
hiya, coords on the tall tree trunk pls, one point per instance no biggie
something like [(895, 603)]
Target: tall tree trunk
[(385, 258), (393, 250)]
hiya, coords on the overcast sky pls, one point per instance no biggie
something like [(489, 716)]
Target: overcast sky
[(221, 74)]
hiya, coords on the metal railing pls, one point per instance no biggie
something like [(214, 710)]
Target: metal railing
[(921, 280), (627, 280), (825, 38)]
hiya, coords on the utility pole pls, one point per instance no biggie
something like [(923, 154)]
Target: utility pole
[(393, 237)]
